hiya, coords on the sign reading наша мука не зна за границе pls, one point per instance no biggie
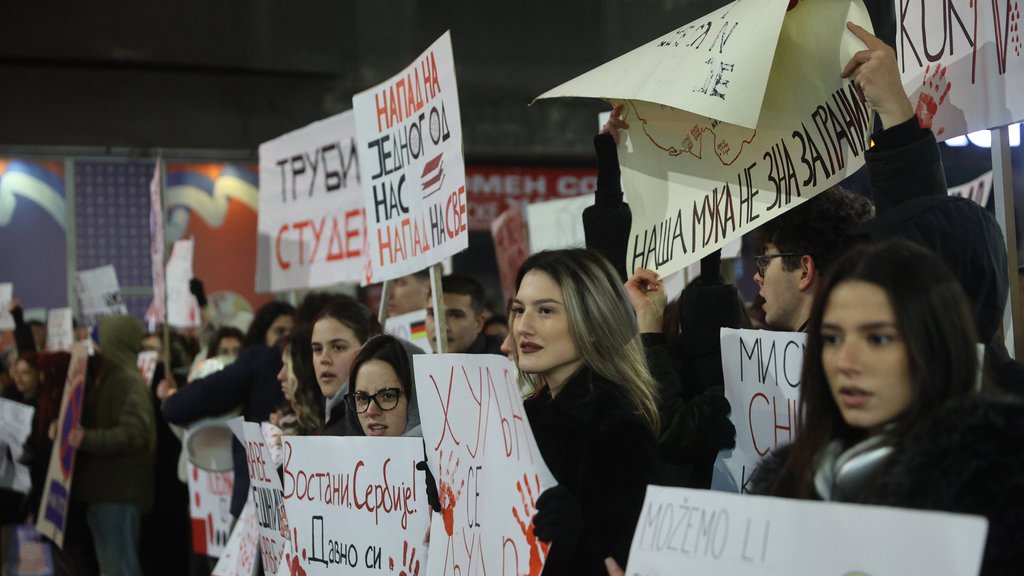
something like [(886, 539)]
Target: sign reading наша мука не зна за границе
[(725, 145), (412, 168)]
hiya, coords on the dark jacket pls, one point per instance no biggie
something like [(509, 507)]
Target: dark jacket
[(485, 344), (250, 382), (605, 455), (116, 460)]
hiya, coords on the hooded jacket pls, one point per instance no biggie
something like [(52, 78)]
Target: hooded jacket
[(117, 456)]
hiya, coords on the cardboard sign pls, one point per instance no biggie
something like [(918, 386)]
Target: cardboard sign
[(99, 294), (557, 223), (977, 190), (59, 332), (697, 181), (15, 428), (312, 224), (240, 557), (410, 159), (209, 503), (762, 372), (157, 312), (363, 510), (511, 246), (265, 493), (6, 294), (182, 307), (489, 471), (53, 508), (962, 63), (703, 533), (411, 326)]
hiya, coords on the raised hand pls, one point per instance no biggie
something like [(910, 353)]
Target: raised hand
[(876, 74)]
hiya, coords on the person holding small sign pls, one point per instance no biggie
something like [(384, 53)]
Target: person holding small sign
[(382, 401), (592, 409)]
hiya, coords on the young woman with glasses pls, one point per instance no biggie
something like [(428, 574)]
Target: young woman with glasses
[(382, 402)]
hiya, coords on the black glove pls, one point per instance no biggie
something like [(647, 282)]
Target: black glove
[(718, 431), (433, 498), (195, 286), (558, 518), (609, 174)]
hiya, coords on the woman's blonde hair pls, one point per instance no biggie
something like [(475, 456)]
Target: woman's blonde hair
[(601, 323)]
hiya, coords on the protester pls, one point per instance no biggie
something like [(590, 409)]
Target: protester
[(382, 401), (592, 409), (409, 293), (464, 318), (226, 341), (303, 414)]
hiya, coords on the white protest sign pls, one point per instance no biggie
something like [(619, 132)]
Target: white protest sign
[(483, 455), (511, 246), (977, 190), (410, 160), (53, 507), (146, 362), (209, 503), (696, 182), (15, 428), (411, 326), (182, 307), (6, 294), (704, 533), (265, 492), (242, 550), (360, 511), (762, 372), (59, 332), (558, 223), (312, 225), (158, 308), (99, 294), (961, 62)]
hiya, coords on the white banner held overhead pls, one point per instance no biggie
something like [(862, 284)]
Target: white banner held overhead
[(557, 224), (157, 312), (99, 294), (695, 182), (312, 225), (182, 307), (704, 533), (59, 332), (410, 159)]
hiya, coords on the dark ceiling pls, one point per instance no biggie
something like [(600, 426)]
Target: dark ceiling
[(130, 77)]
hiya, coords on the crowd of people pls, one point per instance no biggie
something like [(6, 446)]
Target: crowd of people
[(895, 294)]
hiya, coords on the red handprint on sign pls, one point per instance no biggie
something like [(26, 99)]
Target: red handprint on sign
[(933, 93), (538, 548), (294, 569), (446, 494), (410, 565)]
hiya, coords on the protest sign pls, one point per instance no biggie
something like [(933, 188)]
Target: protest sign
[(411, 326), (361, 511), (182, 307), (157, 312), (209, 500), (703, 533), (410, 159), (557, 223), (99, 294), (762, 372), (53, 508), (265, 492), (511, 246), (6, 294), (489, 471), (147, 361), (961, 62), (977, 190), (695, 180), (59, 332), (312, 224), (240, 556), (15, 428)]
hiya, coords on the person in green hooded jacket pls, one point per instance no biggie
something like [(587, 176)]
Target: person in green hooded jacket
[(116, 449)]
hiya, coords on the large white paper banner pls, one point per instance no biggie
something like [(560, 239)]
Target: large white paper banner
[(762, 372), (312, 226), (15, 428), (410, 159), (961, 61), (558, 223), (696, 182), (99, 293), (59, 332), (362, 510), (489, 471), (243, 548), (411, 326), (158, 308), (265, 492), (977, 190), (53, 507), (703, 533), (182, 307), (209, 503), (6, 293)]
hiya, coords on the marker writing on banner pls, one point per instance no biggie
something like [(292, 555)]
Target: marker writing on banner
[(682, 528), (449, 221), (407, 96), (483, 387), (329, 161), (345, 239)]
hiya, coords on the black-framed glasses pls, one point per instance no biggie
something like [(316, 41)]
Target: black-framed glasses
[(761, 262), (385, 399)]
